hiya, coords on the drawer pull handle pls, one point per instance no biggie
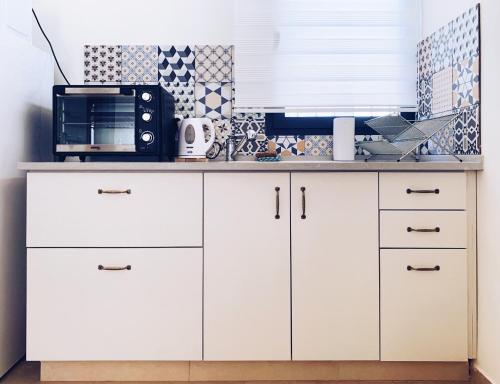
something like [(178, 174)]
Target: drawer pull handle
[(114, 191), (435, 191), (410, 229), (277, 216), (303, 216), (103, 268), (423, 269)]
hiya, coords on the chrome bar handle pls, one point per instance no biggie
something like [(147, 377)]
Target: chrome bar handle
[(277, 216), (435, 191), (410, 229), (103, 268), (303, 190), (423, 269), (114, 191)]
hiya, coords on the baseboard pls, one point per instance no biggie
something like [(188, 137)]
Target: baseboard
[(478, 377), (247, 371)]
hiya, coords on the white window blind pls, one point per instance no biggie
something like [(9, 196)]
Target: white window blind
[(325, 55)]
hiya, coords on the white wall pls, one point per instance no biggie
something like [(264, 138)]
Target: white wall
[(71, 24), (489, 196), (24, 108), (435, 14)]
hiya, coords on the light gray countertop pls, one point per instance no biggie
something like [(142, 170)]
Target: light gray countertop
[(471, 163)]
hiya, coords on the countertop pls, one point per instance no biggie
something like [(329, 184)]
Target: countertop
[(472, 163)]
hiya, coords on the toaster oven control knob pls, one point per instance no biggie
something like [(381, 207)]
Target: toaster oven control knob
[(146, 116), (146, 96), (147, 137)]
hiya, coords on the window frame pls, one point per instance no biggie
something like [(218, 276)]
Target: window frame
[(277, 124)]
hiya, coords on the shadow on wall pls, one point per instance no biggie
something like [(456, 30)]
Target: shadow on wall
[(13, 266)]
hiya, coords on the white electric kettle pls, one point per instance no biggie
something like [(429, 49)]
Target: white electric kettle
[(191, 137)]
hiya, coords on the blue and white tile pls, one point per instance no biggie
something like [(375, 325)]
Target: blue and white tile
[(102, 64), (466, 81), (467, 131), (176, 63), (424, 49), (287, 145), (214, 63), (424, 98), (213, 100), (183, 94), (442, 48), (139, 64), (466, 35), (442, 95), (362, 138), (318, 145), (241, 122)]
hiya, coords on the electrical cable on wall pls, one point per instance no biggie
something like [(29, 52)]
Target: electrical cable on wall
[(50, 45)]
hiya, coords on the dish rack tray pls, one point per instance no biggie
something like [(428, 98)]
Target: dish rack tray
[(402, 138)]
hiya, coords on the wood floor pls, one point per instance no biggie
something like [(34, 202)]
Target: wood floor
[(29, 373)]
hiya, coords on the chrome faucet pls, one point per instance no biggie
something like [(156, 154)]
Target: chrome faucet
[(234, 143)]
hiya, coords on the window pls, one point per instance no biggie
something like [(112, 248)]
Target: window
[(312, 56)]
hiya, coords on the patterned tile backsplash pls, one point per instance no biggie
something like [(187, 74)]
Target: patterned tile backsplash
[(201, 80), (449, 82)]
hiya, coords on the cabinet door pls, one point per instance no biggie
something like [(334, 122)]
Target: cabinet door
[(335, 272), (423, 306), (78, 311), (247, 266)]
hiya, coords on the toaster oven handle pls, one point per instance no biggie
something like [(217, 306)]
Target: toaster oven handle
[(114, 191)]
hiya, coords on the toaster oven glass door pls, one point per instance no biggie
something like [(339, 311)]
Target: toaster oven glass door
[(89, 122)]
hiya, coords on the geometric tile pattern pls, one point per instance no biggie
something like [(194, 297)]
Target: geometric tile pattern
[(466, 34), (223, 129), (442, 48), (139, 64), (442, 99), (183, 94), (102, 64), (442, 143), (213, 100), (319, 145), (466, 131), (361, 138), (424, 98), (214, 63), (288, 145), (424, 48), (176, 63), (241, 122), (466, 82)]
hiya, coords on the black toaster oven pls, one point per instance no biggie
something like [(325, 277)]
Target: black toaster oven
[(114, 121)]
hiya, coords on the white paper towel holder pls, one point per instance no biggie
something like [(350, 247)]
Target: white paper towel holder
[(343, 138)]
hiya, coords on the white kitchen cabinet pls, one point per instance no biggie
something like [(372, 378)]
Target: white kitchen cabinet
[(77, 311), (247, 266), (423, 307), (423, 229), (114, 209), (422, 190), (335, 277)]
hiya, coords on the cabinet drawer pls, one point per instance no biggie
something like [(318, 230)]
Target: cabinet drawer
[(151, 210), (423, 313), (402, 229), (76, 311), (422, 190)]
